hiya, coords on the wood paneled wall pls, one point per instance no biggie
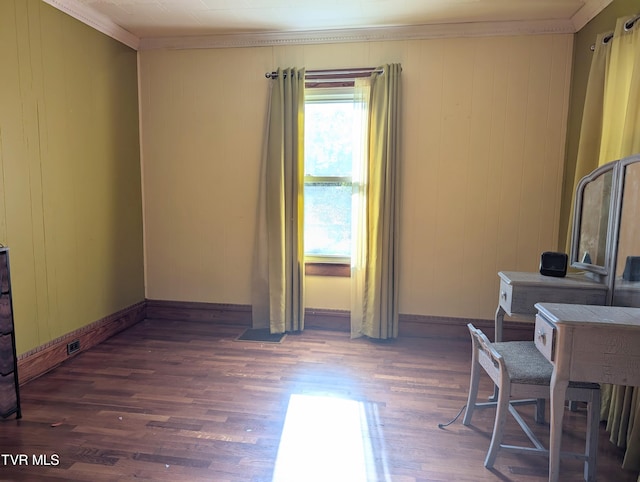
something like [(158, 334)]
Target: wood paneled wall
[(70, 186), (482, 159)]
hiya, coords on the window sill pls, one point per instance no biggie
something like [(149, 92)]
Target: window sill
[(327, 269)]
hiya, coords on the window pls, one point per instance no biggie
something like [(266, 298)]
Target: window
[(332, 133)]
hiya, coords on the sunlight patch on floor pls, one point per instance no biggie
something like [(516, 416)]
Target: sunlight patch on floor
[(326, 439)]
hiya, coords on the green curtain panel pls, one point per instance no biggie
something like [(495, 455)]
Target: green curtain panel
[(591, 128), (611, 130), (375, 277), (278, 278), (621, 105)]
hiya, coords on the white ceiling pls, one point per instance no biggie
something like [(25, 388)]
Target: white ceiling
[(136, 20)]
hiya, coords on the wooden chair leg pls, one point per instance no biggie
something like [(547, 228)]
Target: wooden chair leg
[(473, 388), (502, 412)]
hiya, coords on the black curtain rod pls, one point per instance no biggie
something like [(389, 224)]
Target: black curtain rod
[(627, 26), (333, 74)]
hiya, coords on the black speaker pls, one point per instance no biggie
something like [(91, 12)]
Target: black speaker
[(553, 264), (632, 269)]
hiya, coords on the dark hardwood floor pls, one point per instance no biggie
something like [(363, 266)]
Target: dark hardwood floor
[(171, 401)]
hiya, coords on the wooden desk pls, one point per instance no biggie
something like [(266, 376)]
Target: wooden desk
[(585, 343), (520, 291)]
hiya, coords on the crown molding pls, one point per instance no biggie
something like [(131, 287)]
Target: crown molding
[(95, 20), (589, 10), (477, 29)]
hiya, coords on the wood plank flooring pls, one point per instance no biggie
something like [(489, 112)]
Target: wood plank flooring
[(184, 401)]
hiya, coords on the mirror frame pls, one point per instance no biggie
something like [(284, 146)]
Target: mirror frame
[(605, 270), (623, 164)]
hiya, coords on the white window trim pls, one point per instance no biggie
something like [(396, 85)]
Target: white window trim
[(329, 95)]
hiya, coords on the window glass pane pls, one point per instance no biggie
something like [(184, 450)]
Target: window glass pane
[(328, 141), (327, 219)]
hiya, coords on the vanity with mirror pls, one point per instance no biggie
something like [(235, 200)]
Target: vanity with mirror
[(606, 230), (605, 249), (587, 343)]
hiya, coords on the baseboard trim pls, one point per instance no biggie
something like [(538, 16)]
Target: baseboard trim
[(240, 315), (222, 313), (42, 359), (418, 326), (425, 326), (326, 319)]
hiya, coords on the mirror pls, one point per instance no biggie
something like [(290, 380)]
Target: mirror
[(593, 212), (626, 288)]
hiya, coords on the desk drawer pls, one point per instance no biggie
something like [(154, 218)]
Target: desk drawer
[(506, 297), (519, 292), (545, 338), (519, 299)]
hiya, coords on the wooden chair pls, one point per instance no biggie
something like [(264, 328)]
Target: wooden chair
[(520, 371)]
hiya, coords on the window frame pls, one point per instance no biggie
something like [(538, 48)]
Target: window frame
[(328, 265)]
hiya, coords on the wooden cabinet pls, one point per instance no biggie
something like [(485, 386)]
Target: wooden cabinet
[(9, 388)]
